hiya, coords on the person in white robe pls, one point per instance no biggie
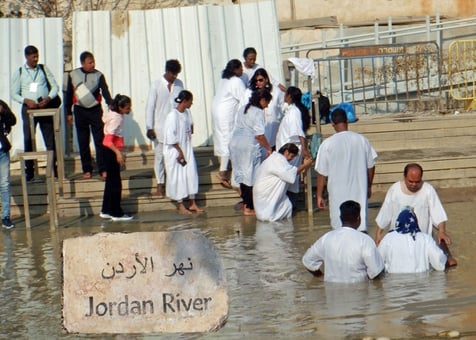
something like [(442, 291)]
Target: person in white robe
[(409, 250), (180, 164), (245, 146), (346, 160), (224, 109), (273, 177), (160, 102), (274, 112), (423, 199), (348, 255), (250, 66), (292, 129)]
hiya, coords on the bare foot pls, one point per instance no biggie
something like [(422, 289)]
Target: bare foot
[(160, 193), (451, 262), (223, 178), (195, 208), (248, 212), (183, 211)]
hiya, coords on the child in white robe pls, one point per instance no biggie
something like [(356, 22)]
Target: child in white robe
[(180, 165)]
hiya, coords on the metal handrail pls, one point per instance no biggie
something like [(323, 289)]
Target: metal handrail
[(378, 35)]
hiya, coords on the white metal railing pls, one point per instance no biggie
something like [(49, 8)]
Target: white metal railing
[(378, 35)]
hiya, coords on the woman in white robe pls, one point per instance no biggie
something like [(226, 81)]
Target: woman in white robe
[(292, 129), (274, 112), (409, 250), (180, 164), (273, 177), (248, 137), (224, 108), (250, 66)]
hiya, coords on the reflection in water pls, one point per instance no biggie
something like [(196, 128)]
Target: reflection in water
[(270, 292)]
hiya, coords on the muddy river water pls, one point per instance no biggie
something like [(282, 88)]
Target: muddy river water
[(270, 293)]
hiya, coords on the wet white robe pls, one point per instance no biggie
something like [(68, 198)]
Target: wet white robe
[(289, 131), (345, 158), (245, 153), (224, 108), (348, 255), (402, 254), (273, 113), (425, 203), (273, 177), (182, 181)]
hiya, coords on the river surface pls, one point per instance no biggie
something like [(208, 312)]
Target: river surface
[(270, 292)]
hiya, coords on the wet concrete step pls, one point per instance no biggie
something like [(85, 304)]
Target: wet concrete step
[(85, 196), (444, 145)]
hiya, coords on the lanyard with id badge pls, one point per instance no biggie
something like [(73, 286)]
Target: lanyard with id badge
[(33, 88)]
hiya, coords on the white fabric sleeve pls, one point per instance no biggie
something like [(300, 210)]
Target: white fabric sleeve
[(313, 258)]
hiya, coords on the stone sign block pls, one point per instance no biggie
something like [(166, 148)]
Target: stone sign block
[(143, 282)]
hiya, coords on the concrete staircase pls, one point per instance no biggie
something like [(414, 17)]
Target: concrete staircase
[(443, 144)]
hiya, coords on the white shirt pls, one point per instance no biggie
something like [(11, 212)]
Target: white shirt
[(344, 158), (402, 254), (349, 256), (425, 203), (290, 128), (159, 103)]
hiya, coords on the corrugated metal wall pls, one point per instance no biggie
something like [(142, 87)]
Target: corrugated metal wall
[(15, 34), (131, 49)]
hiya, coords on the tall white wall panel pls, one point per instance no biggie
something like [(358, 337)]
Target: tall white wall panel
[(131, 49), (15, 34)]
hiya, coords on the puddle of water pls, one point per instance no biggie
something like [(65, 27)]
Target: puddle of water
[(271, 294)]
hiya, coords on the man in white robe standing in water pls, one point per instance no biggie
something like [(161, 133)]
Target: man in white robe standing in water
[(412, 192), (348, 255)]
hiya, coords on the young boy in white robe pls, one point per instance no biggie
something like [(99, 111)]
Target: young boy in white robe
[(273, 178), (180, 165)]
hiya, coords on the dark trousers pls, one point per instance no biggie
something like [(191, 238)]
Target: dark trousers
[(247, 195), (48, 132), (111, 201), (89, 121)]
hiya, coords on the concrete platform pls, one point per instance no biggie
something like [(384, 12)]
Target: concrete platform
[(443, 144)]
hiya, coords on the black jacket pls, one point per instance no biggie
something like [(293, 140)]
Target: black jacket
[(7, 120)]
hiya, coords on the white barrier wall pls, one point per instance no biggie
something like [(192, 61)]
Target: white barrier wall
[(131, 49)]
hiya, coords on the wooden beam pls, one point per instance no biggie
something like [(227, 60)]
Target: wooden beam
[(308, 23)]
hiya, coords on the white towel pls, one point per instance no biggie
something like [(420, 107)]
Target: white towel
[(304, 65)]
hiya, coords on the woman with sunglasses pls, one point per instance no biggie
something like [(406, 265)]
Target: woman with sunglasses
[(250, 66), (274, 112)]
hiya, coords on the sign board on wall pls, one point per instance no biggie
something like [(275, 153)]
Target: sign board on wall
[(143, 282)]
